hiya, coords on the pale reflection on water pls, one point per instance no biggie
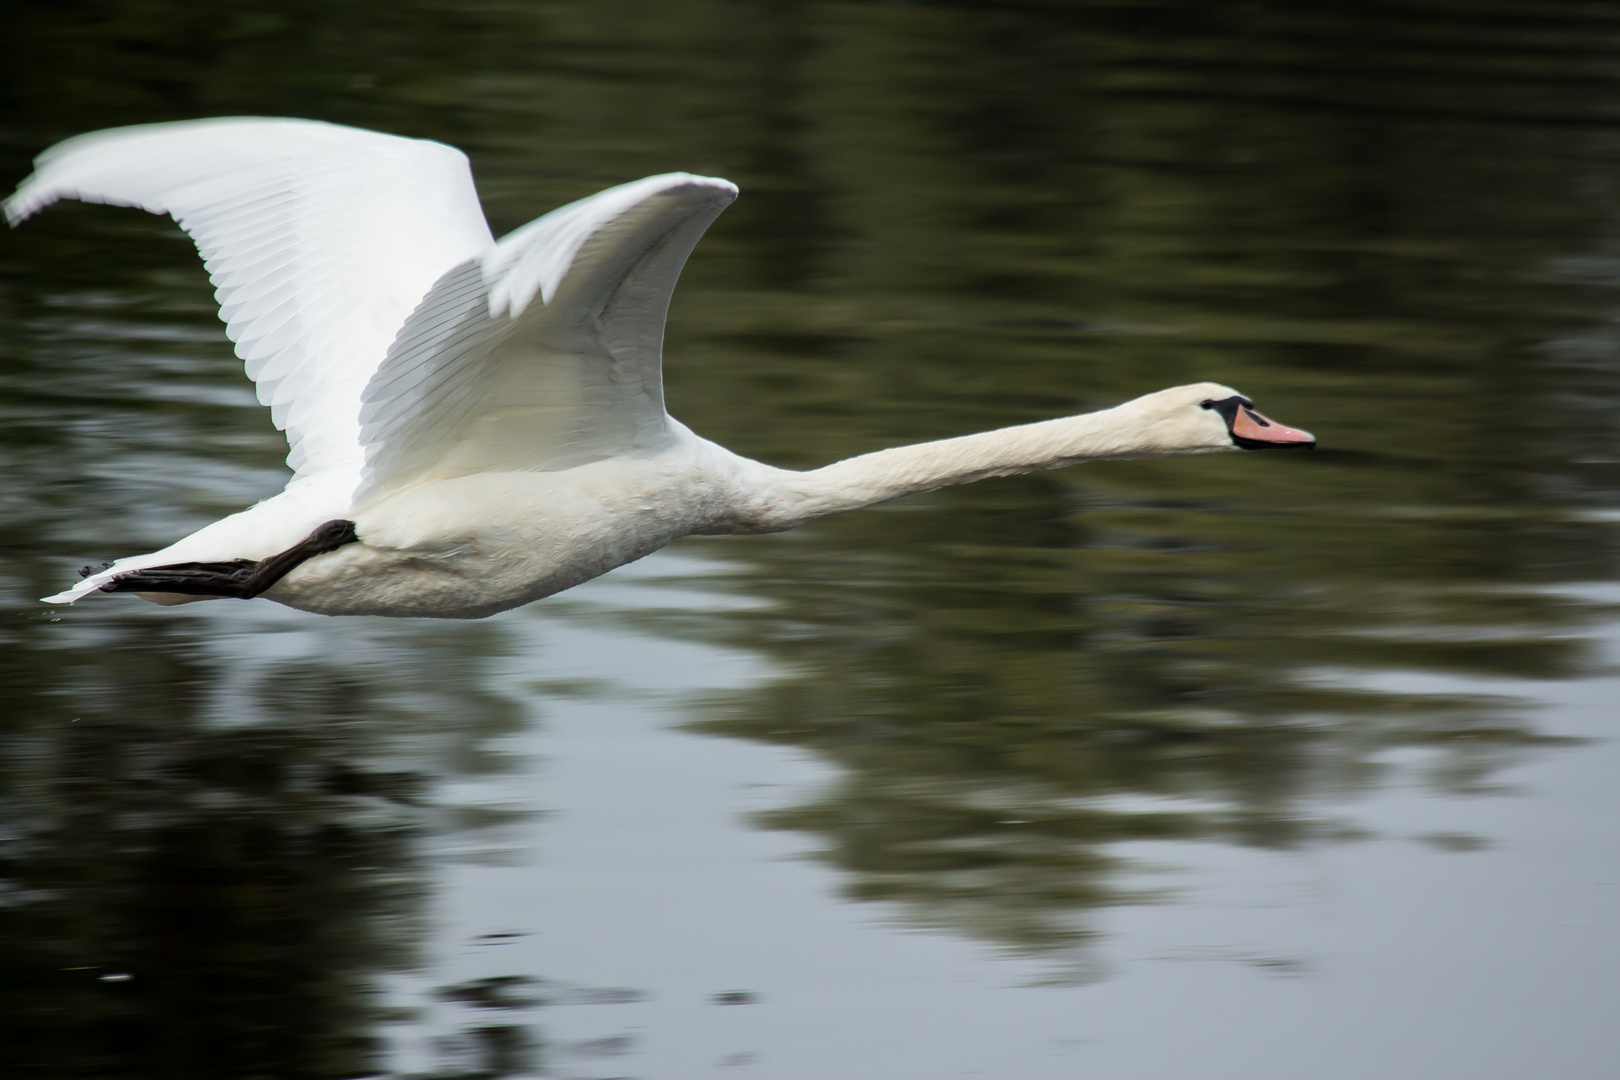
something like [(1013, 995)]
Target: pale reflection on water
[(1375, 947), (1273, 766)]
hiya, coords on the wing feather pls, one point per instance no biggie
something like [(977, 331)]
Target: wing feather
[(482, 378), (320, 241), (389, 335)]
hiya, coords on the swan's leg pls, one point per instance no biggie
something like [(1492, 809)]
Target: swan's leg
[(239, 578)]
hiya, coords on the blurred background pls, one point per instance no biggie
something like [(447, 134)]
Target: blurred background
[(1261, 766)]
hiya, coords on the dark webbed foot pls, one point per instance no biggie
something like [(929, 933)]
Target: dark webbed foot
[(234, 578), (239, 578)]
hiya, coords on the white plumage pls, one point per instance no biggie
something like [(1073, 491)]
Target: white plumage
[(489, 414)]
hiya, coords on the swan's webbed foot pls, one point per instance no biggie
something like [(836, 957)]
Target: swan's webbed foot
[(242, 579), (234, 578)]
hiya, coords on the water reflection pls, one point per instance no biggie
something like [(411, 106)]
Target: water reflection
[(1014, 677), (1003, 711), (1393, 225), (212, 852)]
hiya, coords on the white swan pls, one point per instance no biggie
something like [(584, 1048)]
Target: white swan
[(477, 424)]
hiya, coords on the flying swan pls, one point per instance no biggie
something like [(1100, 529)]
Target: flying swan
[(475, 423)]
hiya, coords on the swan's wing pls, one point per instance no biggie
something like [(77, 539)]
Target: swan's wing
[(545, 352), (320, 240)]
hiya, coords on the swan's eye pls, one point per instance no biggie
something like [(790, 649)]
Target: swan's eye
[(1207, 403)]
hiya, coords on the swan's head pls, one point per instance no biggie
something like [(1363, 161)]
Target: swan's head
[(1209, 417)]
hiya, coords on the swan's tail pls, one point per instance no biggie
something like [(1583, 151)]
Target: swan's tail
[(78, 592), (258, 532)]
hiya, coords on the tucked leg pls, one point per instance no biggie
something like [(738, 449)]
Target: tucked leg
[(239, 578)]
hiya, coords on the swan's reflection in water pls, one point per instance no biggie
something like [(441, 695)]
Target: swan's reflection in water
[(222, 835)]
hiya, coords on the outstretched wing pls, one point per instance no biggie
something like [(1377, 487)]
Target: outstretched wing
[(546, 352), (320, 240)]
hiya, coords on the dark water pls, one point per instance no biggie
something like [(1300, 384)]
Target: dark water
[(1269, 766)]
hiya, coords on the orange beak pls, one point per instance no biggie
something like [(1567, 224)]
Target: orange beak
[(1252, 431)]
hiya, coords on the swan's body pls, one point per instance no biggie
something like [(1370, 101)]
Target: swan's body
[(489, 416)]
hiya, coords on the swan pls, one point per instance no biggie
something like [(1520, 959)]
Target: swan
[(475, 424)]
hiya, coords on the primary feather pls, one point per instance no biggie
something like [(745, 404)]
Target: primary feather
[(320, 240)]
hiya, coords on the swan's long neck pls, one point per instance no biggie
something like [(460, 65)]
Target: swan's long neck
[(780, 499)]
